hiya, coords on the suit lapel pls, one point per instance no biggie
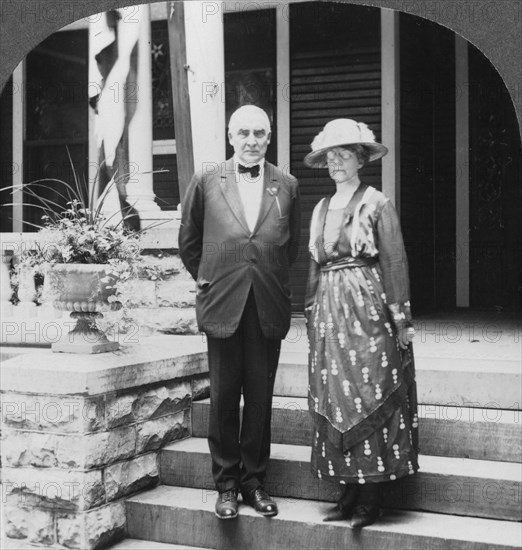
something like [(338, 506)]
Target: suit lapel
[(269, 197), (230, 191)]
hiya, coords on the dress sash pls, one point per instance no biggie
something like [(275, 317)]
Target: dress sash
[(349, 262)]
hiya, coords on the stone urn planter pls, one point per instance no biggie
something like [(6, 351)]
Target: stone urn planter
[(84, 290)]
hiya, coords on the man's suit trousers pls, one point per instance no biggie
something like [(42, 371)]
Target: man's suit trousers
[(245, 362)]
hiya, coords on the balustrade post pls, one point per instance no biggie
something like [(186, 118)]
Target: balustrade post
[(26, 292), (6, 307)]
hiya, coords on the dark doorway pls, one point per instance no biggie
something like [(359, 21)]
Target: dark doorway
[(495, 191)]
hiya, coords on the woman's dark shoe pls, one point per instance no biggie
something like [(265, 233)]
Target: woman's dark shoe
[(364, 514), (226, 504), (367, 509), (260, 502), (345, 505)]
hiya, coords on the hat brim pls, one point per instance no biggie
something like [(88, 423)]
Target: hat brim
[(317, 159)]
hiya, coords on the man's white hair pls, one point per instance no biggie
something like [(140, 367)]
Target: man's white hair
[(246, 111)]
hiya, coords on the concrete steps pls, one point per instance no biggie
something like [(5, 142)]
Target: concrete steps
[(443, 485), (446, 380), (466, 496), (186, 516), (126, 544), (136, 544), (463, 432)]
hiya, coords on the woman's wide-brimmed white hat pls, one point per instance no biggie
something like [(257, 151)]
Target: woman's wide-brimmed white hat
[(341, 132)]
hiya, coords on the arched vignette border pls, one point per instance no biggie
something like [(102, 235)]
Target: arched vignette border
[(495, 28)]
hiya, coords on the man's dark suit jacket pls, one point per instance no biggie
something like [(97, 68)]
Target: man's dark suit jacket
[(227, 259)]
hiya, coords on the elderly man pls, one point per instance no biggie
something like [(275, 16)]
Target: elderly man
[(239, 234)]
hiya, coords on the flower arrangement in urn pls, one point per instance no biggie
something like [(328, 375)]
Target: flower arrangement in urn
[(87, 259)]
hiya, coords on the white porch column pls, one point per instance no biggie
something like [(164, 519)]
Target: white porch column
[(283, 86), (206, 80), (140, 192), (390, 94), (462, 171), (92, 175), (18, 145)]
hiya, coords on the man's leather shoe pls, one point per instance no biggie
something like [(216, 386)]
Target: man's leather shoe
[(226, 504), (261, 502), (364, 514)]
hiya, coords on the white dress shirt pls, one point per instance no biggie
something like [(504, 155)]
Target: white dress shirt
[(250, 191)]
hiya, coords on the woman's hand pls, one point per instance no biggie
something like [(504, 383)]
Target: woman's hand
[(307, 313), (402, 320), (405, 335)]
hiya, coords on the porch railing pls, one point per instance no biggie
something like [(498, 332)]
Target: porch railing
[(165, 305), (20, 305)]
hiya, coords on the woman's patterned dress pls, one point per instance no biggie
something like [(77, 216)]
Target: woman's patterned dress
[(362, 393)]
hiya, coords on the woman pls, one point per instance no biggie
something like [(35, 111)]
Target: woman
[(362, 393)]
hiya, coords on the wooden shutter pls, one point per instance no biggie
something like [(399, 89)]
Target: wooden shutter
[(326, 85)]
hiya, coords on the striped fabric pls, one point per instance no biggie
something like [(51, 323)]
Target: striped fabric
[(113, 94)]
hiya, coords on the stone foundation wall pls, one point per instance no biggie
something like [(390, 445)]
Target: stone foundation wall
[(165, 304), (80, 434)]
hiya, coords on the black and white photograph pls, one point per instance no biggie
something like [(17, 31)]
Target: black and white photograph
[(261, 277)]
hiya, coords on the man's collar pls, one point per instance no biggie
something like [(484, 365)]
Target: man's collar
[(236, 161)]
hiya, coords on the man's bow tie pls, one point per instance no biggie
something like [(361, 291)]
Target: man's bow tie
[(252, 170)]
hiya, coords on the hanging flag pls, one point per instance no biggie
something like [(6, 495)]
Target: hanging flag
[(113, 38)]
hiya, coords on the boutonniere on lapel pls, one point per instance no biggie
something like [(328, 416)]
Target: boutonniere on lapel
[(273, 191)]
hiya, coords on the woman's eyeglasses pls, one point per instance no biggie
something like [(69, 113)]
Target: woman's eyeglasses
[(336, 153)]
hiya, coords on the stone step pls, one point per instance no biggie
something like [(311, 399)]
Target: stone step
[(455, 381), (483, 434), (443, 485), (186, 516), (126, 544), (137, 544)]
